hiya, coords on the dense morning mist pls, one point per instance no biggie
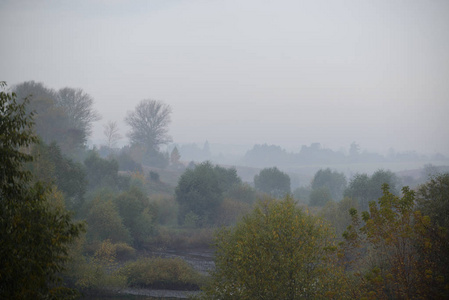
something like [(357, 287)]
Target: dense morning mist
[(210, 149), (289, 73)]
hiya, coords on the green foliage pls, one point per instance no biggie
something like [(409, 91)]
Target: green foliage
[(320, 196), (50, 122), (366, 189), (433, 200), (162, 273), (167, 209), (392, 251), (302, 194), (336, 213), (64, 117), (182, 238), (230, 211), (200, 192), (335, 182), (100, 272), (241, 193), (35, 235), (227, 178), (100, 172), (50, 165), (273, 182), (126, 163), (104, 173), (104, 221), (276, 252)]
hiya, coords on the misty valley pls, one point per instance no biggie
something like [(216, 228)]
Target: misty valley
[(154, 218)]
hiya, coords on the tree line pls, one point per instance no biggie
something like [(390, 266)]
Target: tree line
[(270, 246)]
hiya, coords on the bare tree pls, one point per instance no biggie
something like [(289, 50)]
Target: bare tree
[(111, 133), (78, 105), (149, 124)]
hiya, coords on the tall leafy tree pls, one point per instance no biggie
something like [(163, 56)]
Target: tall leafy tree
[(78, 106), (334, 181), (273, 182), (433, 200), (275, 252), (200, 192), (391, 249), (35, 235), (50, 121), (366, 188), (63, 116), (51, 165), (149, 124)]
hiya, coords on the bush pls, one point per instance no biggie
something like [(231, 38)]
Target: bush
[(167, 209), (124, 251), (99, 273), (105, 222), (230, 211), (162, 273), (182, 238)]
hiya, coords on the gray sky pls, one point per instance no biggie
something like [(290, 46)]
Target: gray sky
[(245, 72)]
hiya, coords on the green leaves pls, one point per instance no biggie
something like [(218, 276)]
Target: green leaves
[(391, 252), (275, 252), (273, 182), (35, 235)]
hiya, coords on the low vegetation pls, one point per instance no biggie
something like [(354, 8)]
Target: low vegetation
[(162, 273)]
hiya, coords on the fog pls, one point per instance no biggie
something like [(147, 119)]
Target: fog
[(288, 73)]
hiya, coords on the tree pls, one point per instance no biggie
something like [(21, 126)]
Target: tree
[(175, 156), (50, 165), (112, 134), (105, 222), (50, 121), (319, 196), (101, 172), (78, 106), (137, 214), (200, 192), (63, 117), (149, 124), (273, 182), (392, 251), (365, 188), (336, 213), (275, 252), (354, 152), (335, 182), (433, 200), (35, 234)]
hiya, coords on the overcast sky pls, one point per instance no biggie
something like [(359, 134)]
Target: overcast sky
[(246, 72)]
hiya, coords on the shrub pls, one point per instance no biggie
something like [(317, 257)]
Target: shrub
[(230, 211), (167, 209), (163, 273), (182, 238)]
